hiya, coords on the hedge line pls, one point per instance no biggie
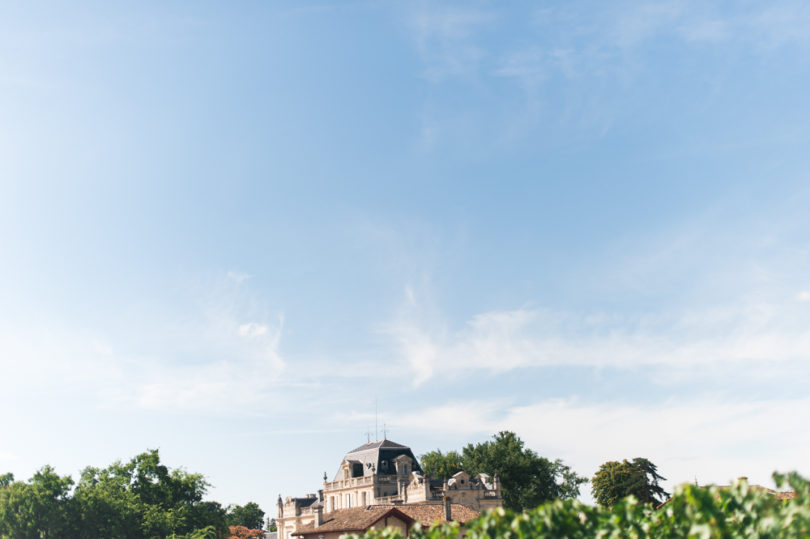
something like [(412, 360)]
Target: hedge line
[(700, 512)]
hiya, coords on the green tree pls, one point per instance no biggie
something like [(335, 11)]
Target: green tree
[(249, 515), (527, 479), (441, 466), (208, 513), (169, 497), (6, 479), (139, 499), (143, 498), (105, 504), (616, 480), (42, 507)]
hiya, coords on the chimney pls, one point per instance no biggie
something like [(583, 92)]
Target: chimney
[(318, 508), (447, 513)]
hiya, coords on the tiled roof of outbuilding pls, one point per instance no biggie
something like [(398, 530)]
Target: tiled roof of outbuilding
[(428, 514), (355, 519), (358, 519)]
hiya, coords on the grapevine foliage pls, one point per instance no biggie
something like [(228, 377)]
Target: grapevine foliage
[(739, 511)]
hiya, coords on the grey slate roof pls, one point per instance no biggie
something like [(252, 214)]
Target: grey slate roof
[(379, 443), (304, 502), (377, 457)]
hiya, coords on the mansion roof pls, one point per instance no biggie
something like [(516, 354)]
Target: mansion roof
[(378, 457)]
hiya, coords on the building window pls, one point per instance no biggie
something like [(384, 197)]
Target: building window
[(365, 501)]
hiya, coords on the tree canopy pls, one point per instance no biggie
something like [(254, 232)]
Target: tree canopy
[(441, 465), (249, 515), (141, 498), (616, 480), (527, 479)]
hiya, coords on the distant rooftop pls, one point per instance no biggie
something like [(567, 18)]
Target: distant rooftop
[(378, 457), (378, 444)]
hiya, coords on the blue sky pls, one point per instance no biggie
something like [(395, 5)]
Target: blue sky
[(226, 231)]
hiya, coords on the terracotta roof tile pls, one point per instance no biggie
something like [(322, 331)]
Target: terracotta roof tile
[(354, 519), (428, 514), (361, 518)]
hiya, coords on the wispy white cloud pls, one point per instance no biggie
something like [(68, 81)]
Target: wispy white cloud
[(207, 362), (711, 30), (238, 276), (713, 441), (444, 38), (804, 295), (528, 65), (778, 24), (252, 329), (499, 341), (636, 23), (604, 49)]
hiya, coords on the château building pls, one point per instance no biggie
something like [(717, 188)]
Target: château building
[(380, 474)]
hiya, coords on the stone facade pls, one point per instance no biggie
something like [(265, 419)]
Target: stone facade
[(384, 473)]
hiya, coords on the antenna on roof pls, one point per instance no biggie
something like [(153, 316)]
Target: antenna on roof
[(385, 432), (376, 432)]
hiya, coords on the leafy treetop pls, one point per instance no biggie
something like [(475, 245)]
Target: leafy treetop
[(616, 480), (527, 479)]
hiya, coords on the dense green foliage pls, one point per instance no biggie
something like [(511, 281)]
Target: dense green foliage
[(693, 512), (141, 498), (249, 515), (527, 479), (440, 465), (616, 480)]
